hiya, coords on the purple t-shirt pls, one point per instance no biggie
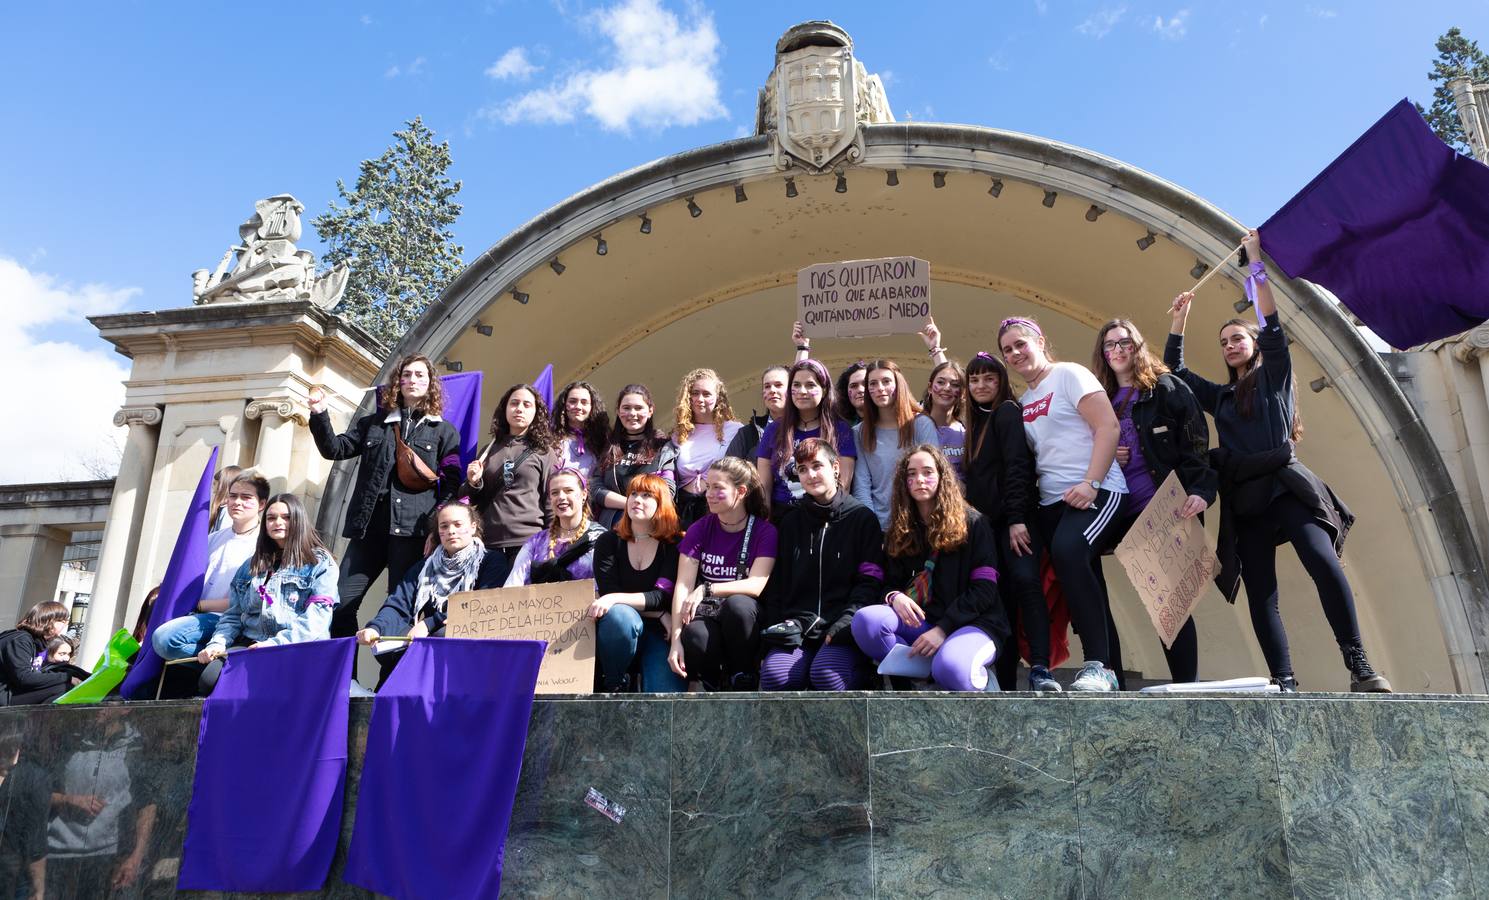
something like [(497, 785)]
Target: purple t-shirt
[(1139, 483), (784, 486), (954, 445), (717, 550)]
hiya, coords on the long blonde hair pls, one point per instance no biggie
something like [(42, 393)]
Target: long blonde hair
[(683, 414)]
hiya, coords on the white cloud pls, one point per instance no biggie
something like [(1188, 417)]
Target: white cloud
[(365, 19), (1174, 28), (1320, 12), (414, 68), (1100, 23), (1042, 6), (661, 72), (1262, 22), (83, 387), (514, 65)]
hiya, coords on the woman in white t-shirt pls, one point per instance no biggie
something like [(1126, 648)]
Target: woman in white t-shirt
[(1073, 432), (705, 426)]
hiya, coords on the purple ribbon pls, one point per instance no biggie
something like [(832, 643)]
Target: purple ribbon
[(1258, 276)]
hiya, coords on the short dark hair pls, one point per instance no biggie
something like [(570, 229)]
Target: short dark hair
[(259, 482), (41, 616)]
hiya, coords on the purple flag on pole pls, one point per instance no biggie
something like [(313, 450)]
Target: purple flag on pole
[(266, 802), (181, 590), (544, 384), (1398, 228), (444, 750), (463, 410)]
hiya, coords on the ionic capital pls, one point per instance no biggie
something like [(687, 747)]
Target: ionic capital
[(283, 407), (138, 415)]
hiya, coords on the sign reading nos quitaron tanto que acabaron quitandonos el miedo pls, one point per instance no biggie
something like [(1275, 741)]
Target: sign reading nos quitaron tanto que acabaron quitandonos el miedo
[(864, 297)]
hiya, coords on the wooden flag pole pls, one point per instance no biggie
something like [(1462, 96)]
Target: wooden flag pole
[(1216, 269)]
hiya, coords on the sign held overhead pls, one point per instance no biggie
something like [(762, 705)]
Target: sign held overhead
[(864, 297)]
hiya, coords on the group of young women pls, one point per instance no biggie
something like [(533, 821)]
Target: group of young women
[(799, 549)]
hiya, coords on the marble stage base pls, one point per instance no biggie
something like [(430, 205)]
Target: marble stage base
[(896, 795)]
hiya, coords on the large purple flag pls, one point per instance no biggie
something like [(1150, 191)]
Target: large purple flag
[(181, 590), (266, 801), (1398, 228), (463, 410), (444, 750)]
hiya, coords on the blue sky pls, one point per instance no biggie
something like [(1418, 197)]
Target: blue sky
[(139, 134)]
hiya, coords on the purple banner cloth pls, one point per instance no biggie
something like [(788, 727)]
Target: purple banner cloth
[(444, 750), (544, 384), (463, 410), (1398, 228), (180, 590), (266, 801)]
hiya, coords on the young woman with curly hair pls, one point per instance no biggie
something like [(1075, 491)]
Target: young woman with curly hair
[(388, 516), (850, 392), (892, 423), (808, 413), (705, 428), (637, 447), (508, 485), (941, 568), (581, 426)]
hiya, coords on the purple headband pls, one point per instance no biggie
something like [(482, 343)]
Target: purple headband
[(983, 354), (817, 368), (1022, 322), (570, 470)]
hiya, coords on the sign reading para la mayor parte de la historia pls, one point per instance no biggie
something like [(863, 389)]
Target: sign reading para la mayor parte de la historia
[(864, 297)]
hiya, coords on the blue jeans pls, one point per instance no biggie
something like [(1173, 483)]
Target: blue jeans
[(621, 635), (186, 636)]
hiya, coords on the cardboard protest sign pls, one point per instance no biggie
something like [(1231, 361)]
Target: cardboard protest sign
[(545, 612), (864, 297), (1168, 559)]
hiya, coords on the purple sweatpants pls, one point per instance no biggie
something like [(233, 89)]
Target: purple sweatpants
[(961, 663), (832, 667)]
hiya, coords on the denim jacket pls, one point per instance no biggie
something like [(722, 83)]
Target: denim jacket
[(291, 605)]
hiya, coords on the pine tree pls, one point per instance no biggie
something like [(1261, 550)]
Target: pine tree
[(1456, 56), (396, 230)]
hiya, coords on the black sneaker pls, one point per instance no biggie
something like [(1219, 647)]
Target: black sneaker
[(1042, 682), (744, 681), (622, 687), (1287, 684), (1363, 679)]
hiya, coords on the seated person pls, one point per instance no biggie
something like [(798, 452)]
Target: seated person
[(564, 551), (59, 651), (459, 562), (22, 651), (827, 568), (227, 550), (942, 560), (635, 570), (284, 594)]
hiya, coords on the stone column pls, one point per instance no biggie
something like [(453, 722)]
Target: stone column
[(121, 534), (30, 562), (1472, 101), (278, 417)]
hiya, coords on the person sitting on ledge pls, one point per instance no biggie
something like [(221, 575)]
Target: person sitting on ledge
[(284, 594), (635, 571), (417, 607), (59, 651), (828, 567), (726, 560), (565, 551), (22, 649), (227, 550), (944, 553)]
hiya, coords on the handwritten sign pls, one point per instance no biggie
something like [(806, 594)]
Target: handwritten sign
[(545, 612), (1168, 559), (864, 297)]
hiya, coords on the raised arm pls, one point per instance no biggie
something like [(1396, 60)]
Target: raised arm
[(1206, 391), (802, 342), (932, 337), (330, 444)]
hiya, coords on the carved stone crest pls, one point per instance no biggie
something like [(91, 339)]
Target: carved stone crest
[(816, 99), (266, 265)]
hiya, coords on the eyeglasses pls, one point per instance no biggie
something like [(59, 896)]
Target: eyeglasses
[(1126, 344)]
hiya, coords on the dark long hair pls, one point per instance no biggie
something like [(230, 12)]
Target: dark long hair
[(539, 437), (1246, 382), (979, 423), (596, 429), (827, 419), (652, 440), (300, 540), (843, 405), (390, 395)]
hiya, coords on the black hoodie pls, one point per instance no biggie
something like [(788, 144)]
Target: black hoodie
[(964, 583), (830, 561)]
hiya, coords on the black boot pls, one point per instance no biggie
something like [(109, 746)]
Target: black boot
[(1362, 678), (1287, 684)]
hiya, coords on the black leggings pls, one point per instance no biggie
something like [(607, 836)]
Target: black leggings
[(1076, 538), (365, 559), (1256, 545), (1183, 656), (1021, 588), (717, 648)]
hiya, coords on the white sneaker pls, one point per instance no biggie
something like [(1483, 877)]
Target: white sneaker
[(1094, 676)]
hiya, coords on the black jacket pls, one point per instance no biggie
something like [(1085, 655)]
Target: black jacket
[(1000, 478), (1173, 436), (829, 560), (371, 437), (964, 584), (397, 615), (747, 439), (18, 650)]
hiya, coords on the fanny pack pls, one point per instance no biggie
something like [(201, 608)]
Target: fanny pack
[(413, 473)]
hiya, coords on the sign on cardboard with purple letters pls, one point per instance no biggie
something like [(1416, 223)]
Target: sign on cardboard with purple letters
[(1168, 559)]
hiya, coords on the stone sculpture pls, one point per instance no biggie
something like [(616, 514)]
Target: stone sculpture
[(268, 265)]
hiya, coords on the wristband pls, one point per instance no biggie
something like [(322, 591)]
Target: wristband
[(889, 598), (804, 348)]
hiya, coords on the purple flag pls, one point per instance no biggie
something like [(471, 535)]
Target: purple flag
[(1398, 228), (181, 590), (463, 410), (444, 750), (266, 801), (544, 384)]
